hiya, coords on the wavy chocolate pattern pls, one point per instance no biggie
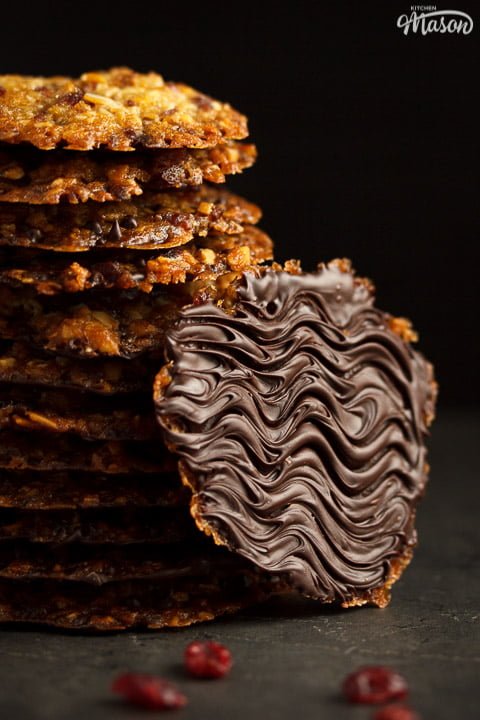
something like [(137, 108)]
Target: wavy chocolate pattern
[(300, 423)]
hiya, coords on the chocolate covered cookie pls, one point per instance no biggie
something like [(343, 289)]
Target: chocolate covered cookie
[(300, 420)]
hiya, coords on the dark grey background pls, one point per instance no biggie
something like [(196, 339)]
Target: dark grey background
[(368, 139), (291, 657)]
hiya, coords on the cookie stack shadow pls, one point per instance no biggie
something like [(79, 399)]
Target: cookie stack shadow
[(100, 245)]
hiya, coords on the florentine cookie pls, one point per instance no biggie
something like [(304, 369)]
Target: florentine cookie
[(99, 564), (107, 425), (70, 401), (38, 178), (124, 328), (30, 490), (117, 109), (22, 364), (202, 262), (111, 526), (19, 451), (131, 604), (95, 324), (300, 420), (154, 221)]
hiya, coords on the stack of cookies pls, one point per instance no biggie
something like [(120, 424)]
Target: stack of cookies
[(113, 216), (185, 428)]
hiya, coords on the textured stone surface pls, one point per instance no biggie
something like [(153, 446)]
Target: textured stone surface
[(290, 657)]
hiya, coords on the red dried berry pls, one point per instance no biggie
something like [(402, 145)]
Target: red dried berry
[(396, 712), (208, 659), (374, 685), (148, 691)]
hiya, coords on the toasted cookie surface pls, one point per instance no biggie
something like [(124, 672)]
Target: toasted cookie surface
[(35, 415), (118, 526), (129, 604), (38, 178), (117, 109), (203, 262), (46, 453), (154, 221), (30, 490), (99, 565), (22, 364)]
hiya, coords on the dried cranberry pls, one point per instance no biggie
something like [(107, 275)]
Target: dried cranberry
[(396, 712), (208, 659), (71, 98), (374, 685), (148, 691)]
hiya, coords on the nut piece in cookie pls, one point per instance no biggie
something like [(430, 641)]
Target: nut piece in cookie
[(299, 418)]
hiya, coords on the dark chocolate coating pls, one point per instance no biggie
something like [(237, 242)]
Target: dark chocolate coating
[(300, 423)]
